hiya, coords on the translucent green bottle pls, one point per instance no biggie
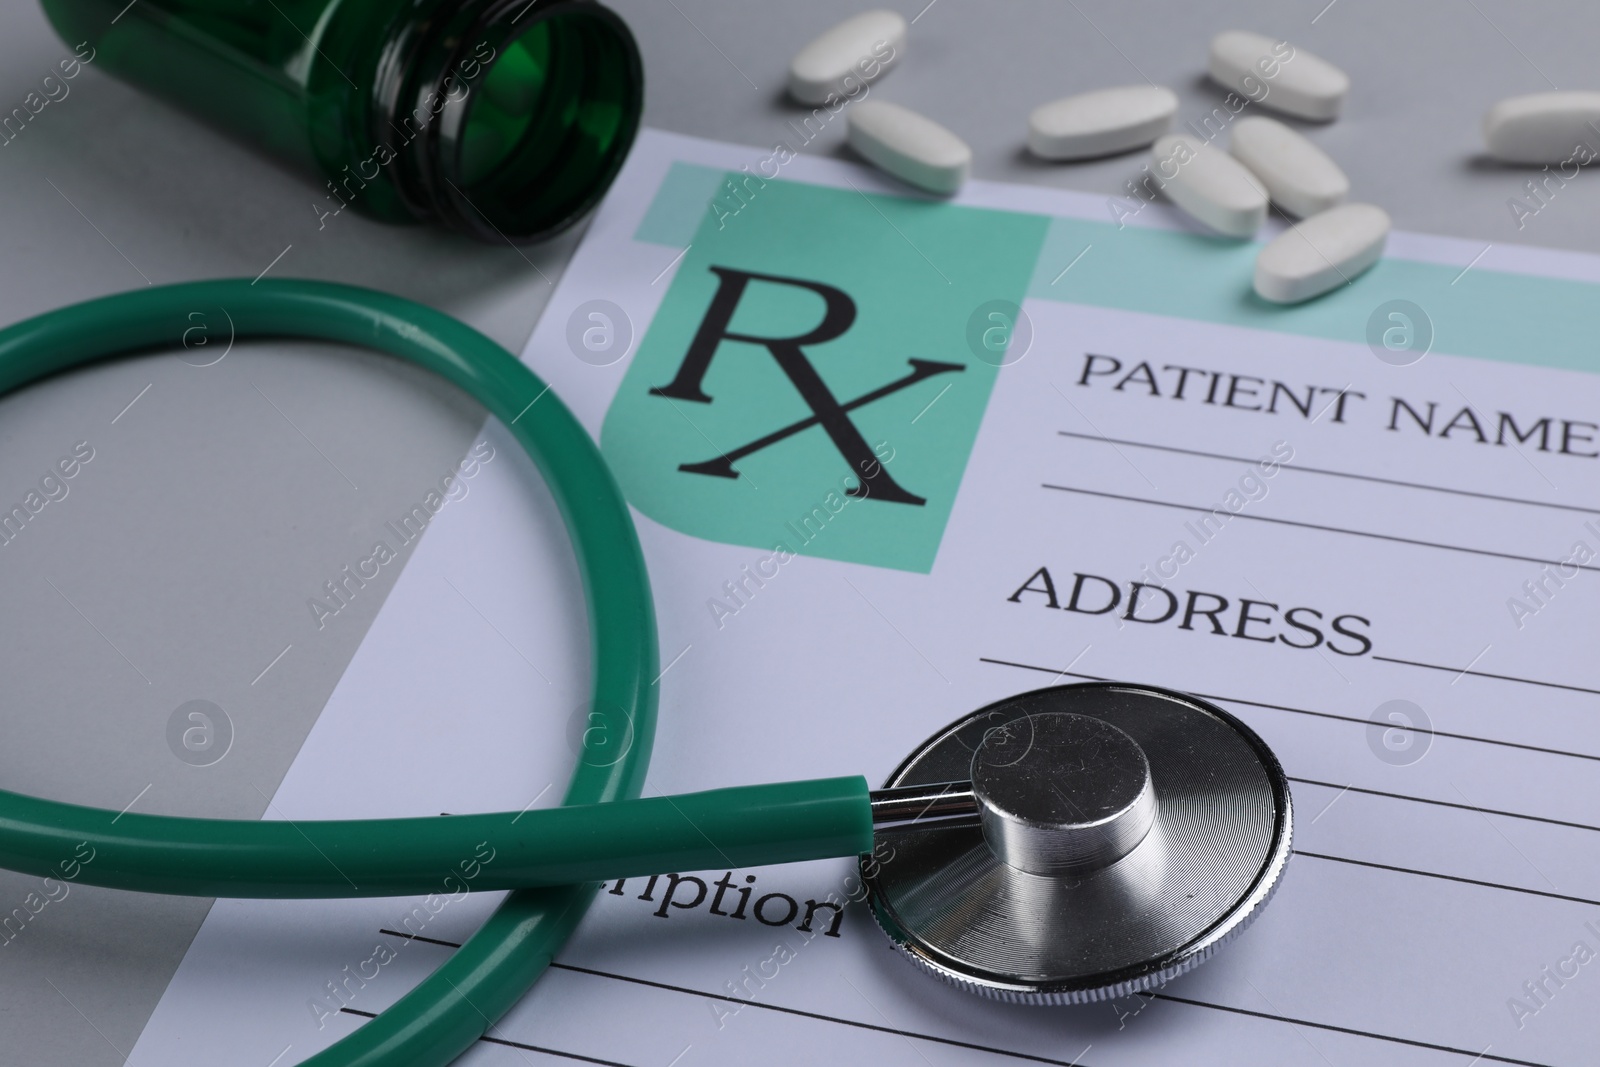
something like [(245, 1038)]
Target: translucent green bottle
[(504, 119)]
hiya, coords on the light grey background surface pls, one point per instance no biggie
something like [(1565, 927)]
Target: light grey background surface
[(178, 565)]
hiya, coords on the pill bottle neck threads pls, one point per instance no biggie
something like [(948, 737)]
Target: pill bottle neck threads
[(506, 120), (503, 119)]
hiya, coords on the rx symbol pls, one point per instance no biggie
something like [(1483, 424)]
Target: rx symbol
[(827, 410)]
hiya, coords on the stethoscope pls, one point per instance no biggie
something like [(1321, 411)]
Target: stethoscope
[(1072, 844)]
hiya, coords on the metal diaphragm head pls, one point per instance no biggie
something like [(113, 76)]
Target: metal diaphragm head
[(1118, 835)]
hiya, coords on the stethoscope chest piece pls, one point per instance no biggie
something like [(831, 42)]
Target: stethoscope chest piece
[(1123, 834)]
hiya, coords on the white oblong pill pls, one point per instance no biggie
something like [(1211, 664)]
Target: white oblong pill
[(1321, 253), (910, 146), (1210, 185), (1101, 123), (858, 50), (1299, 176), (1543, 127), (1278, 75)]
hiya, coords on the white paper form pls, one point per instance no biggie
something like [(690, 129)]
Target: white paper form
[(1384, 564)]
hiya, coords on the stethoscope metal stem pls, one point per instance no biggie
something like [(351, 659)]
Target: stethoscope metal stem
[(944, 805)]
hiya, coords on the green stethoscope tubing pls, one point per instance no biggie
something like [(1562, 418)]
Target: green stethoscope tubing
[(554, 858)]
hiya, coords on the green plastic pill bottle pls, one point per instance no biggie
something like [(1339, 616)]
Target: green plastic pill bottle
[(503, 119)]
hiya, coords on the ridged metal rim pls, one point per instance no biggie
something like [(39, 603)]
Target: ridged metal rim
[(1126, 981)]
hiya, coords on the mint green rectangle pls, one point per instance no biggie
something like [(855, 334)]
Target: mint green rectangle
[(916, 273), (1482, 313)]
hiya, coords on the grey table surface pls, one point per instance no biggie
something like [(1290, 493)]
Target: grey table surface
[(160, 577)]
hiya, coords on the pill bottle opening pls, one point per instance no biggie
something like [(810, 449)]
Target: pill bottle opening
[(534, 142)]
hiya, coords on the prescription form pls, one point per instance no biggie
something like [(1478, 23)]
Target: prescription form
[(1054, 440)]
